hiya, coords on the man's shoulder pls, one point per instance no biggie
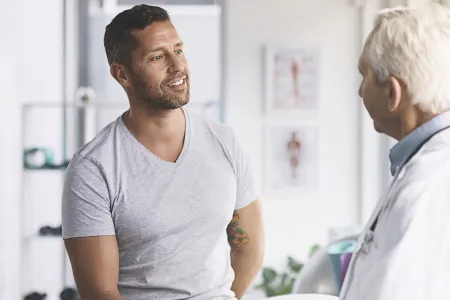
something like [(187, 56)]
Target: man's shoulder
[(99, 147), (432, 161), (420, 192), (426, 172), (211, 128)]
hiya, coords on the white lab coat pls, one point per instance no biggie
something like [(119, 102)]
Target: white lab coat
[(407, 256)]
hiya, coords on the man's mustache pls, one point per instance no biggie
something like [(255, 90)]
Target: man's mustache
[(178, 76)]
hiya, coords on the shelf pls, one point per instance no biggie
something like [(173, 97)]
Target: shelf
[(44, 237), (92, 104), (68, 292), (44, 169)]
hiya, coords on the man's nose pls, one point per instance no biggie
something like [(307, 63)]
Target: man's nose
[(177, 64)]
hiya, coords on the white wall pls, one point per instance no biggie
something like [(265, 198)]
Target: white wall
[(10, 164), (10, 155), (31, 60), (294, 222)]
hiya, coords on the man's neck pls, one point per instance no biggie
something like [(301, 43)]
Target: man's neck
[(155, 127), (413, 118)]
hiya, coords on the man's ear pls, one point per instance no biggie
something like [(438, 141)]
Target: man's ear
[(120, 74), (394, 90)]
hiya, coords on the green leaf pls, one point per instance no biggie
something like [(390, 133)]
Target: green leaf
[(313, 250), (269, 275), (259, 286), (283, 290), (271, 292), (277, 284), (291, 284), (294, 265), (284, 277)]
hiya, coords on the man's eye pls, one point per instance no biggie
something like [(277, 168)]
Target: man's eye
[(157, 57), (179, 51)]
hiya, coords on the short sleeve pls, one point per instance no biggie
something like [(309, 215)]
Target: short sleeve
[(85, 201), (246, 189)]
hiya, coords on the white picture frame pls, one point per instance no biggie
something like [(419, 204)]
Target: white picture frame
[(291, 157), (291, 81)]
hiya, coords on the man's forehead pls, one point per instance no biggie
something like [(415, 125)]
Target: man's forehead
[(166, 36), (362, 63), (158, 31)]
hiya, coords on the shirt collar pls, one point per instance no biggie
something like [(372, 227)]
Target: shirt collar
[(402, 151)]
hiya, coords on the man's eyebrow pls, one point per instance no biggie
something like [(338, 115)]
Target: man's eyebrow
[(179, 44), (156, 49), (359, 68)]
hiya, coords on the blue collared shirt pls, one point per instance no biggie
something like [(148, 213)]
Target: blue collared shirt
[(405, 148)]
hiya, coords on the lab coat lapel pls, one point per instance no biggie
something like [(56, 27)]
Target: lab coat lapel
[(382, 202)]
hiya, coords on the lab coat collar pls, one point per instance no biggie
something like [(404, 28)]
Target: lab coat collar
[(405, 148)]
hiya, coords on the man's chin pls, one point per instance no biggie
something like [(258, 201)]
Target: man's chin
[(377, 128), (168, 103), (389, 133), (177, 101), (175, 105), (180, 103)]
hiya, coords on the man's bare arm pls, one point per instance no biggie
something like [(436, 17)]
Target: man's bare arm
[(246, 238), (95, 265)]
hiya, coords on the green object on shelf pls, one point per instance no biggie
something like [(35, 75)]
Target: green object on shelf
[(41, 158)]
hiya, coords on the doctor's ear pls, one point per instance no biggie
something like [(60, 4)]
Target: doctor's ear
[(394, 89), (120, 74)]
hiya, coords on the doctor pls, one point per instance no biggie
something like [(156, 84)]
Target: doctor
[(404, 251)]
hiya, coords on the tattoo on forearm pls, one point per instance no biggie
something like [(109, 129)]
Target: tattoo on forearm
[(237, 237)]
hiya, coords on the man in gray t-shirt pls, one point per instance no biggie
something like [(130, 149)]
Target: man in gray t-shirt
[(161, 204)]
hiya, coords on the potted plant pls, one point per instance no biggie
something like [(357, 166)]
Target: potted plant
[(276, 283)]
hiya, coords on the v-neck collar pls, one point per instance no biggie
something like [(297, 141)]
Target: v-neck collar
[(184, 150)]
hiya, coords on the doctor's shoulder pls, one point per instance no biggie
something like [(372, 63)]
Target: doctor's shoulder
[(426, 173), (431, 162), (425, 176)]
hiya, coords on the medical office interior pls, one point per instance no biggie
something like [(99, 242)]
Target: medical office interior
[(282, 73)]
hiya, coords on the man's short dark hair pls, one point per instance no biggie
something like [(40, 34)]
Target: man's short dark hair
[(119, 40)]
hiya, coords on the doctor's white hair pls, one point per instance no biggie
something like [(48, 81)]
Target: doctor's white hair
[(413, 45)]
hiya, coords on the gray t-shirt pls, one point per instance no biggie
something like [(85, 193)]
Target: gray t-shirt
[(169, 219)]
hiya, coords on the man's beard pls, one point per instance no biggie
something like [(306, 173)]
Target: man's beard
[(156, 99)]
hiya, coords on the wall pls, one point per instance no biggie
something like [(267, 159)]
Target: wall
[(294, 221), (10, 155), (10, 164), (31, 72)]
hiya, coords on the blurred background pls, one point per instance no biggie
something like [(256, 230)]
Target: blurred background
[(282, 73)]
